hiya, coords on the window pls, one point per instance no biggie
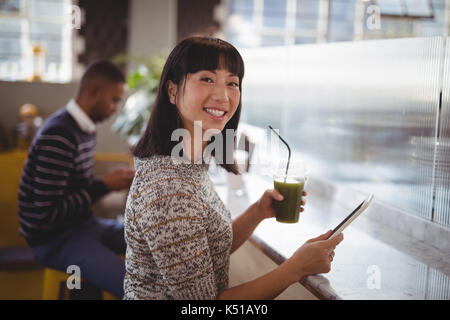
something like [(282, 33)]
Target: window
[(410, 18), (274, 15), (40, 26), (406, 8), (10, 6), (341, 20), (253, 23)]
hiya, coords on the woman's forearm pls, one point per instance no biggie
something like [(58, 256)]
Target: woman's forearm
[(244, 225), (266, 287)]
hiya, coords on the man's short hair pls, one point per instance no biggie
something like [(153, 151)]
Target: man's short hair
[(101, 71)]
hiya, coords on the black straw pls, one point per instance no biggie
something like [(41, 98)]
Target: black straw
[(289, 149)]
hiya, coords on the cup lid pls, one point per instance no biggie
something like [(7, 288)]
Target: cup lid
[(296, 169)]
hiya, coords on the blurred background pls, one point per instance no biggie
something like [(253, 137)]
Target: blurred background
[(371, 114), (359, 88)]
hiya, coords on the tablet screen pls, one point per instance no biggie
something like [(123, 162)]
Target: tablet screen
[(358, 210)]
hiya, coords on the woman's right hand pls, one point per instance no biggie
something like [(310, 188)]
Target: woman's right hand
[(314, 256)]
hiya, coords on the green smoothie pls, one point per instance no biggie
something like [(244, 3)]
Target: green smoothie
[(288, 209)]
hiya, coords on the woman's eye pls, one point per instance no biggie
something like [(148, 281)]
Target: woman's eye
[(234, 84), (206, 79)]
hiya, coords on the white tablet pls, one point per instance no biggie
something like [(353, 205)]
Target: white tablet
[(352, 216)]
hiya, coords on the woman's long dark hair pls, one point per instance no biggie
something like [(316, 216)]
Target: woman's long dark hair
[(189, 56)]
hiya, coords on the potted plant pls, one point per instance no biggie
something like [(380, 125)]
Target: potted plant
[(143, 85)]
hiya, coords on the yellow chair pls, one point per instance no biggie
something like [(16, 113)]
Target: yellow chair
[(123, 158), (22, 280), (11, 164), (20, 275), (31, 282), (55, 286)]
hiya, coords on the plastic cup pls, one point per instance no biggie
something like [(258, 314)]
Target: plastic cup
[(291, 187)]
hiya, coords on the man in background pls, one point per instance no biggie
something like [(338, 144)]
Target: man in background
[(57, 187)]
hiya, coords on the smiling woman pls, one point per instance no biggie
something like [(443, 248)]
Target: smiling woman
[(201, 78), (178, 231)]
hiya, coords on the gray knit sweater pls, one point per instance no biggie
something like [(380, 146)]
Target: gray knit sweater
[(178, 233)]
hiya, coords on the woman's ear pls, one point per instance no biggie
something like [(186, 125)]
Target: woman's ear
[(172, 91)]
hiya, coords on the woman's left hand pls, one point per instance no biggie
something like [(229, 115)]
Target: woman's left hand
[(265, 205)]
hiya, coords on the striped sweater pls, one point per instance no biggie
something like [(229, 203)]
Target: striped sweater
[(57, 186), (178, 233)]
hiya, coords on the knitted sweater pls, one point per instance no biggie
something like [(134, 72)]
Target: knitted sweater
[(178, 233)]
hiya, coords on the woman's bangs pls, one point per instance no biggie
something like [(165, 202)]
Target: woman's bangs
[(215, 57)]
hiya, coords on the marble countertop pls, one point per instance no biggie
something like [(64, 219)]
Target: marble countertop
[(375, 260)]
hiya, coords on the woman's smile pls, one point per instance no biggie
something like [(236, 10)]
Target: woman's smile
[(215, 114)]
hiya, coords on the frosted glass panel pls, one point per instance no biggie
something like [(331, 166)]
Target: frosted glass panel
[(264, 87), (442, 207), (363, 113)]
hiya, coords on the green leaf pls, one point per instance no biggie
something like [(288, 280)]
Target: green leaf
[(143, 83), (134, 80)]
